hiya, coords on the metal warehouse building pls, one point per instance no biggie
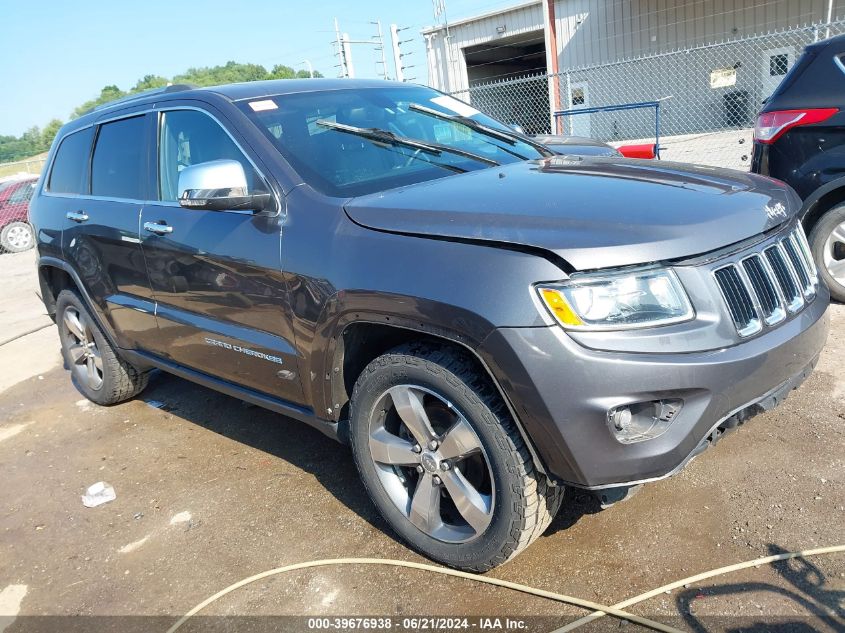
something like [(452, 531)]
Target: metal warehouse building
[(713, 61)]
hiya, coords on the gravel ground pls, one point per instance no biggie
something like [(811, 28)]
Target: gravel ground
[(210, 491)]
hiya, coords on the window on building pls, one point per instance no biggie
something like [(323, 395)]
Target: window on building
[(778, 65)]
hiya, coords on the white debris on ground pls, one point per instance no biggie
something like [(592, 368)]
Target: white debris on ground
[(131, 547), (181, 517), (98, 494), (10, 604), (11, 430)]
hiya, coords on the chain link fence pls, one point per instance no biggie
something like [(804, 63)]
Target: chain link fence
[(709, 96), (21, 168)]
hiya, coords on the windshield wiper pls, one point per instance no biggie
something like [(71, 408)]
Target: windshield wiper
[(387, 137), (508, 137)]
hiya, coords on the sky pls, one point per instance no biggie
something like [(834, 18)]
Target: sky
[(60, 53)]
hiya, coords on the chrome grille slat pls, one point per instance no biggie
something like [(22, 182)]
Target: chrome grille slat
[(738, 298), (761, 287), (785, 277), (768, 298)]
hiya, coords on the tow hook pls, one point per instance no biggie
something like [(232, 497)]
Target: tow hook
[(611, 496)]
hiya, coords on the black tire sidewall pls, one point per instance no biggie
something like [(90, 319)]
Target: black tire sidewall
[(4, 242), (100, 396), (817, 238), (501, 454)]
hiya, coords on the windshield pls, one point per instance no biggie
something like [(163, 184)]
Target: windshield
[(320, 135)]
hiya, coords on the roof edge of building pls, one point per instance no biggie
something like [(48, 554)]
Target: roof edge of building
[(481, 16)]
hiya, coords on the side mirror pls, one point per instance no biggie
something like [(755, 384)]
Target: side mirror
[(219, 185)]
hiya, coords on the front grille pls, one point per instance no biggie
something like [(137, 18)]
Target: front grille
[(762, 287)]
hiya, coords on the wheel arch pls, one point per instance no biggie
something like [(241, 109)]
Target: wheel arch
[(359, 342), (822, 200), (55, 275)]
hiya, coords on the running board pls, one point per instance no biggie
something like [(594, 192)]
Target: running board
[(301, 414)]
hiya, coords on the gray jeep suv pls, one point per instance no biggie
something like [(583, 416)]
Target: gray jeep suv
[(486, 323)]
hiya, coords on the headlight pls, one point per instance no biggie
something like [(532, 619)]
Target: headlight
[(618, 301)]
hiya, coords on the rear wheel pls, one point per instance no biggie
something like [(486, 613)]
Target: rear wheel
[(443, 461), (827, 242), (98, 372), (17, 237)]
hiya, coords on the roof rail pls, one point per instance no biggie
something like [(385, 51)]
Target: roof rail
[(140, 95)]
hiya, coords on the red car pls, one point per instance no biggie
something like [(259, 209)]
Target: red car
[(15, 231)]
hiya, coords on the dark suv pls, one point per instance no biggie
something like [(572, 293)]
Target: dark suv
[(485, 322), (800, 138)]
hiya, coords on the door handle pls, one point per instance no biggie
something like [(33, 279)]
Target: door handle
[(77, 216), (155, 227)]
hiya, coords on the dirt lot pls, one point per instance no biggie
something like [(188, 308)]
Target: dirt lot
[(210, 491)]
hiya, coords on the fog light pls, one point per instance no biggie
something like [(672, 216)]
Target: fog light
[(642, 420), (621, 418)]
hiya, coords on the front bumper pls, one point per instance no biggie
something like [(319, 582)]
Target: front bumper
[(561, 391)]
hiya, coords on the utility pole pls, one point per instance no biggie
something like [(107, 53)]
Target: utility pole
[(344, 49), (380, 49), (397, 55), (401, 67), (347, 55), (339, 50)]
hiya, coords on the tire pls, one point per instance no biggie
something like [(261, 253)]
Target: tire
[(98, 372), (17, 237), (509, 505), (827, 243)]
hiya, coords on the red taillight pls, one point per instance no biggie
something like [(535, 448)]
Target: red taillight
[(772, 125)]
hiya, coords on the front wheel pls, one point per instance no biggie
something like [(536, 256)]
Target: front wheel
[(827, 242), (444, 462)]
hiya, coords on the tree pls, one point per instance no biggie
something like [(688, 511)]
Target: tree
[(148, 82), (108, 93), (49, 133), (280, 71), (35, 140)]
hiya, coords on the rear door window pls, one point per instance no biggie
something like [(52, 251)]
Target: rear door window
[(118, 169), (71, 164)]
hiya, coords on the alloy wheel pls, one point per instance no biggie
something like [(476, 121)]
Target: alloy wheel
[(19, 237), (87, 362), (834, 253), (431, 463)]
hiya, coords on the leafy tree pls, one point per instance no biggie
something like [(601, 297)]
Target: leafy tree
[(35, 140), (148, 82), (49, 133), (109, 93)]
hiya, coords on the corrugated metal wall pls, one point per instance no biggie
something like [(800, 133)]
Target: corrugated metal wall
[(452, 76), (596, 31)]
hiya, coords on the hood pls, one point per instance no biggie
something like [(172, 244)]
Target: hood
[(592, 212), (579, 145)]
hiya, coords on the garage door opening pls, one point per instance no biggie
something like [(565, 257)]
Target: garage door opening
[(525, 103)]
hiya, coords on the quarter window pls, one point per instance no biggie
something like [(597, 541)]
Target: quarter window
[(70, 164), (190, 137), (117, 170)]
